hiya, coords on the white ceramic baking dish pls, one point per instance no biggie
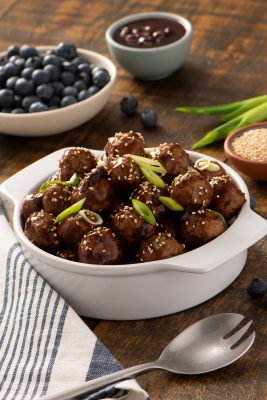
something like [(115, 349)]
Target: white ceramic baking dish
[(137, 291)]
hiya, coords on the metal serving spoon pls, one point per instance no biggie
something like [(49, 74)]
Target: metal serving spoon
[(202, 347)]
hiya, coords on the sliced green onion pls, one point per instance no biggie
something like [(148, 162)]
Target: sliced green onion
[(144, 211), (152, 177), (91, 217), (206, 164), (76, 207), (149, 150), (222, 218), (170, 203), (150, 163), (74, 180)]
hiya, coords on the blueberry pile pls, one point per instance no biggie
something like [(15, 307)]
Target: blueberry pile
[(33, 82)]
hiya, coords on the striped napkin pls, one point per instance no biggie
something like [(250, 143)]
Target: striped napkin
[(44, 345)]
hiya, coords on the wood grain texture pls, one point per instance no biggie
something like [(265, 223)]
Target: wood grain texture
[(228, 62)]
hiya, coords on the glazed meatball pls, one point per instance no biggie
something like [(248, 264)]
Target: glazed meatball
[(199, 226), (67, 254), (173, 158), (210, 174), (125, 143), (100, 246), (73, 228), (170, 224), (149, 194), (124, 173), (191, 189), (41, 230), (158, 247), (56, 198), (32, 202), (76, 159), (227, 197), (130, 227), (97, 189)]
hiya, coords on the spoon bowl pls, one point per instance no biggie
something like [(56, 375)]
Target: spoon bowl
[(209, 344)]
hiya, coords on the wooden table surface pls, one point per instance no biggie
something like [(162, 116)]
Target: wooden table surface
[(228, 62)]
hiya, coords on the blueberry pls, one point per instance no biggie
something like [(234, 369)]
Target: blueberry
[(70, 91), (128, 105), (12, 50), (257, 288), (27, 51), (13, 58), (2, 77), (148, 118), (10, 83), (17, 101), (23, 87), (100, 77), (68, 78), (83, 94), (53, 71), (40, 76), (34, 62), (45, 91), (27, 73), (54, 102), (20, 63), (70, 67), (18, 111), (93, 90), (68, 100), (83, 76), (78, 60), (38, 107), (52, 59), (58, 88), (84, 67), (80, 85), (6, 98), (11, 69), (28, 101), (66, 50), (6, 110)]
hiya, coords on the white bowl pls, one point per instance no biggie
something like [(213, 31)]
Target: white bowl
[(136, 291), (55, 121), (155, 62)]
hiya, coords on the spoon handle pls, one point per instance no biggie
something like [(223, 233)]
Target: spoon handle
[(99, 383)]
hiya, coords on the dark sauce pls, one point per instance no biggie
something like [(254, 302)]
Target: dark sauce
[(150, 32)]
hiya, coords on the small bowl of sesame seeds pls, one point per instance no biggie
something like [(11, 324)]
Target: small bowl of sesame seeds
[(246, 148)]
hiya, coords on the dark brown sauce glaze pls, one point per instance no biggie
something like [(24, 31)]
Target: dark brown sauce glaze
[(149, 32)]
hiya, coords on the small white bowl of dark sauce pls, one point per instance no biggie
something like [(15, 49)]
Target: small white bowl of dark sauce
[(150, 45)]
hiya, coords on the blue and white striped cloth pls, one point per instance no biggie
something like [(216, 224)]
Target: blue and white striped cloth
[(44, 345)]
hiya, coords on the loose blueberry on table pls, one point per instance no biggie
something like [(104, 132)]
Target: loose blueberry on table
[(33, 82)]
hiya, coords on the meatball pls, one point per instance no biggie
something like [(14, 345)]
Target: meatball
[(191, 189), (100, 246), (32, 202), (210, 174), (149, 194), (170, 224), (97, 189), (158, 247), (199, 226), (125, 143), (173, 158), (56, 198), (41, 230), (73, 228), (227, 197), (130, 227), (124, 173), (67, 254), (76, 159)]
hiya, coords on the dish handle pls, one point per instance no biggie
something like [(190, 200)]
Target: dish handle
[(17, 186), (247, 230)]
